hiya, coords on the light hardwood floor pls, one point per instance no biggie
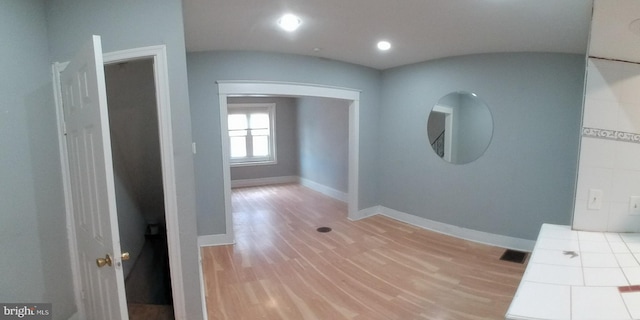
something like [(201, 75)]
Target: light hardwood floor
[(375, 268)]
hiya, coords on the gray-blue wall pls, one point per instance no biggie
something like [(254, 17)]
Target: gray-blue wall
[(323, 125), (35, 263), (286, 141), (132, 24), (527, 175), (525, 178), (208, 67)]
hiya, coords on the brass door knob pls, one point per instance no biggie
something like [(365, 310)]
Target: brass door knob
[(101, 262), (125, 256)]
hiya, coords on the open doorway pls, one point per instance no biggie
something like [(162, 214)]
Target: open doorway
[(236, 89), (75, 78), (135, 143), (305, 140)]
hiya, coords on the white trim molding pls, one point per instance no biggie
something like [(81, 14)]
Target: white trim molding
[(203, 293), (240, 183), (161, 71), (366, 213), (215, 240), (243, 88), (228, 89), (159, 55), (449, 114), (327, 191), (451, 230)]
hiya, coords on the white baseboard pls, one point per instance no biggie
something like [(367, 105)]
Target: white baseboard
[(451, 230), (328, 191), (365, 213), (215, 240), (263, 181), (203, 294), (448, 229)]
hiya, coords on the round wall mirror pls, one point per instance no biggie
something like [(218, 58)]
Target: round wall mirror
[(460, 127)]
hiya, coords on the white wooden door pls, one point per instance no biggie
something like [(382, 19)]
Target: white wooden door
[(92, 184)]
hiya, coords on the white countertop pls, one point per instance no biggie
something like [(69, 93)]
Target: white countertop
[(601, 281)]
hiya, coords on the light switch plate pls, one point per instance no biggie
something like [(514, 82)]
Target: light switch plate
[(595, 199), (634, 205)]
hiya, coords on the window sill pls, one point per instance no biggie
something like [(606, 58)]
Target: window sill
[(253, 163)]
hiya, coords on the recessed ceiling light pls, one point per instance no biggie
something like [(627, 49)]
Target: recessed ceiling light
[(289, 22), (384, 45)]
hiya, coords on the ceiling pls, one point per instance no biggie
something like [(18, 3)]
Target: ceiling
[(616, 30), (419, 30)]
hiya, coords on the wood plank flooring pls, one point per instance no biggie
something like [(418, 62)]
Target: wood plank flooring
[(150, 311), (375, 268)]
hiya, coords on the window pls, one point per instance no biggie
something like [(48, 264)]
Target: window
[(252, 134)]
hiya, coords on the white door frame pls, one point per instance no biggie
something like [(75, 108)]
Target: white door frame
[(448, 129), (159, 56), (246, 88)]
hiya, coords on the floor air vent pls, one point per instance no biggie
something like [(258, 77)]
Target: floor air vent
[(514, 256)]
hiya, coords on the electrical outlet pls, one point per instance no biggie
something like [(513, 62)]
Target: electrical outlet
[(634, 205), (595, 199)]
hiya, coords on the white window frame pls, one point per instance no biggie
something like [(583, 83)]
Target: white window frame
[(244, 108)]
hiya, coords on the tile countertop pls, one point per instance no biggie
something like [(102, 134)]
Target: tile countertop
[(580, 275)]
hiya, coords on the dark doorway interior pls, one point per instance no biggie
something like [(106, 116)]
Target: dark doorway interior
[(135, 144)]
